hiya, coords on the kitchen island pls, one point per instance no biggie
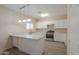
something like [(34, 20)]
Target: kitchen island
[(31, 43)]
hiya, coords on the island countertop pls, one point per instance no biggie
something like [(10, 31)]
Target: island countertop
[(36, 35), (31, 43)]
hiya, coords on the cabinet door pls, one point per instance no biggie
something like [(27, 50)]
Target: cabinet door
[(15, 41), (25, 45), (58, 36)]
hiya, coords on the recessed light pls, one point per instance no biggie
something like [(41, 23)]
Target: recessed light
[(44, 15)]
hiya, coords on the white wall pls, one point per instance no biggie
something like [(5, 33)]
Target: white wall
[(8, 24), (73, 29)]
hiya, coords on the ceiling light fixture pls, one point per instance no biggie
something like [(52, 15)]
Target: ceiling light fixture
[(44, 14), (28, 12), (24, 21), (19, 21), (29, 20)]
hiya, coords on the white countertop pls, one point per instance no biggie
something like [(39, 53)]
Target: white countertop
[(36, 35)]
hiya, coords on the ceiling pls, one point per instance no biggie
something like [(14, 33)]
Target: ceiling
[(54, 10)]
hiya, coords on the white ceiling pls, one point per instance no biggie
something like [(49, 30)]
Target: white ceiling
[(51, 9)]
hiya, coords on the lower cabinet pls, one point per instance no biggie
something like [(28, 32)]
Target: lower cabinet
[(30, 46), (15, 41)]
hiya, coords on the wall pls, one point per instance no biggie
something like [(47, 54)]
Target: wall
[(73, 29), (8, 25)]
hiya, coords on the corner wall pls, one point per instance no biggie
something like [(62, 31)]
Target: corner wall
[(8, 25), (73, 30)]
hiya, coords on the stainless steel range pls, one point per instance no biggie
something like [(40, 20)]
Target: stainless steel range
[(50, 35), (50, 32)]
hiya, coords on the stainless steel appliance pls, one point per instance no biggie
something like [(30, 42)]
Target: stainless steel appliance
[(50, 35)]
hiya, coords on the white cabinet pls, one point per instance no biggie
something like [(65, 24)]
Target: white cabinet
[(62, 37), (15, 41), (30, 46)]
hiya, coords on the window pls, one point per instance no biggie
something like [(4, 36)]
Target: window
[(29, 25)]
